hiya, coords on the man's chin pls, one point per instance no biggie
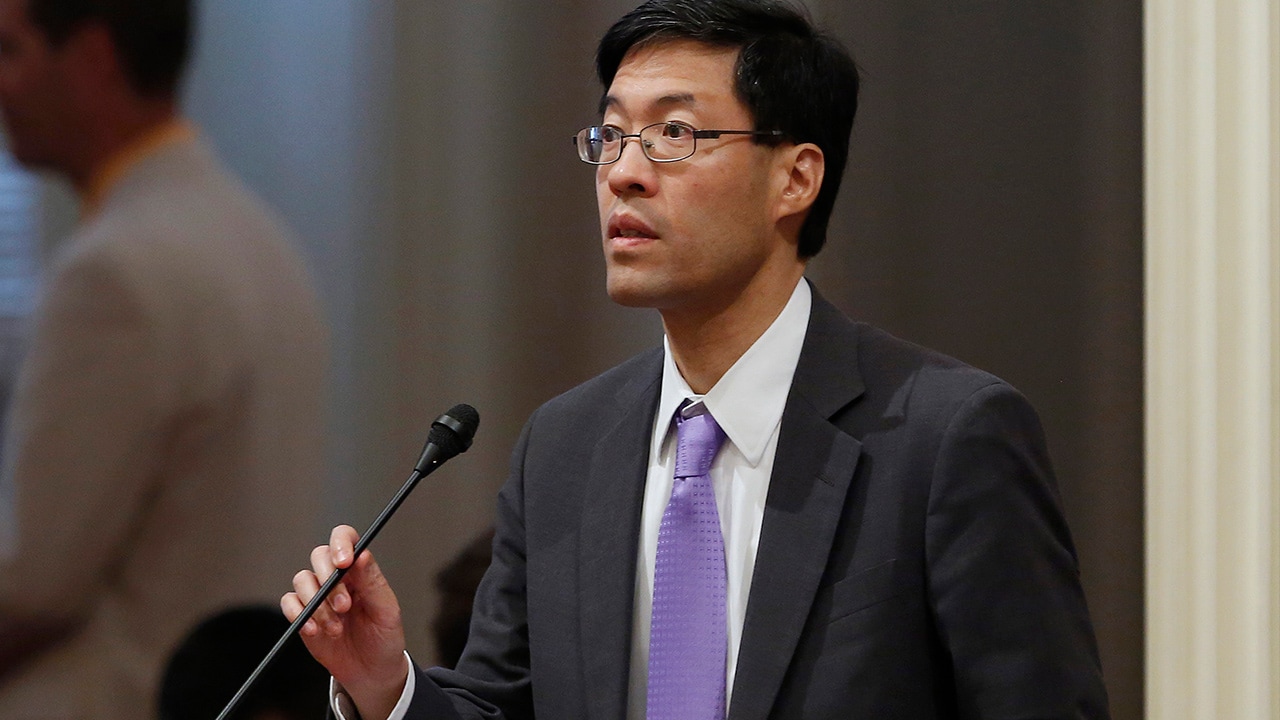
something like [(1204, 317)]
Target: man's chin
[(627, 299), (633, 294)]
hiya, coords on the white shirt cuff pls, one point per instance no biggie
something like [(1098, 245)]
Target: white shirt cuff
[(344, 709)]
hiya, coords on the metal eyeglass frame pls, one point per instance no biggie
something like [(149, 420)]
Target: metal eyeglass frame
[(696, 135)]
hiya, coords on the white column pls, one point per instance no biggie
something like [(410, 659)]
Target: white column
[(1213, 359)]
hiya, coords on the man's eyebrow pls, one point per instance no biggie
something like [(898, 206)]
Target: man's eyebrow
[(609, 101)]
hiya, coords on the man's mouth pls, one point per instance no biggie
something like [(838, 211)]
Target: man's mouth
[(630, 228)]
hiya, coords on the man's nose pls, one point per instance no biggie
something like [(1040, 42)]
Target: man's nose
[(633, 173)]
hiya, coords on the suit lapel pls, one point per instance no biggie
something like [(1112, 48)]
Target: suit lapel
[(812, 471), (608, 546)]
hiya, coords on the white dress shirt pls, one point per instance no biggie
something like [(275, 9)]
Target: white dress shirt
[(747, 403)]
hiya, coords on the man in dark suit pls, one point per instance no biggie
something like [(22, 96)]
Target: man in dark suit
[(779, 514)]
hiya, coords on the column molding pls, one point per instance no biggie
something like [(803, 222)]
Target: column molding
[(1212, 196)]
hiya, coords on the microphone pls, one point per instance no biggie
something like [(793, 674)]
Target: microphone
[(451, 434)]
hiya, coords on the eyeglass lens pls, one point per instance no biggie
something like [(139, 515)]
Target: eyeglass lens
[(602, 144)]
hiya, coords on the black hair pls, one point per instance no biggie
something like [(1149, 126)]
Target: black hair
[(791, 76), (152, 37), (211, 663), (457, 583)]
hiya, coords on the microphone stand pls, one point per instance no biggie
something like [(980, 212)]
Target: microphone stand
[(425, 467)]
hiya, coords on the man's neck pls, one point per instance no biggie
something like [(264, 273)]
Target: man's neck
[(114, 134), (705, 343)]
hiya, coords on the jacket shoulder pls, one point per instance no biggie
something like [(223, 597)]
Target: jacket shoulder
[(908, 380), (605, 394)]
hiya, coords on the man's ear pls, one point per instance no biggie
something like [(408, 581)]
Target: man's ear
[(802, 169)]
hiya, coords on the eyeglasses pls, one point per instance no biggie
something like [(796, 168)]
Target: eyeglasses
[(662, 142)]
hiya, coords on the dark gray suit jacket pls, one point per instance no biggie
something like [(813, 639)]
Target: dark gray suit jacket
[(914, 561)]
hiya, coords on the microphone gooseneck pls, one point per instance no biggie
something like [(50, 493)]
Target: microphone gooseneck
[(450, 435)]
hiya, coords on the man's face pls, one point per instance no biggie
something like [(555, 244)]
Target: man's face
[(33, 88), (688, 235)]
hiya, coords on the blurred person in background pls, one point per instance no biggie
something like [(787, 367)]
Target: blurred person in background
[(457, 583), (164, 443), (214, 660)]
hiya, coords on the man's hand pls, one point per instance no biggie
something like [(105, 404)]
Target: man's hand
[(356, 633)]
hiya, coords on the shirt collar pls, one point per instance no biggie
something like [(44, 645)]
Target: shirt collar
[(748, 400), (119, 164)]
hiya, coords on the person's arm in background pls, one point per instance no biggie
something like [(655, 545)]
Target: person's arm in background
[(79, 454)]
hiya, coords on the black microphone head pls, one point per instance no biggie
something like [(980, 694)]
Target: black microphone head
[(453, 431)]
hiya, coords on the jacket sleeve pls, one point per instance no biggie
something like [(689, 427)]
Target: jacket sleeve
[(1003, 578)]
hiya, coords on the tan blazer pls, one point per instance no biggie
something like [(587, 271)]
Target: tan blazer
[(165, 441)]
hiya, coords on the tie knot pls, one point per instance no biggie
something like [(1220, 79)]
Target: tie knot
[(698, 439)]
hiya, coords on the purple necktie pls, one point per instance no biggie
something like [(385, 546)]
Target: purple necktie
[(688, 636)]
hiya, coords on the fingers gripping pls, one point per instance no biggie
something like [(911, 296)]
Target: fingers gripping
[(307, 583)]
